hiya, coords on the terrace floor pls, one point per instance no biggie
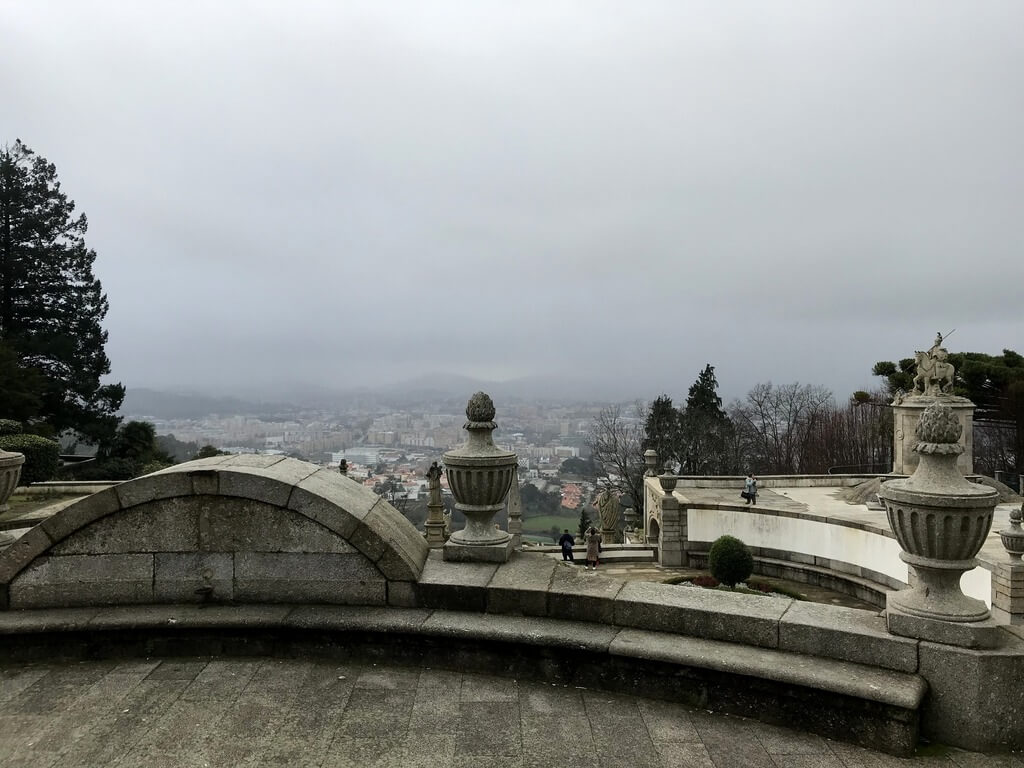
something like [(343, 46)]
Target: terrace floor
[(246, 712)]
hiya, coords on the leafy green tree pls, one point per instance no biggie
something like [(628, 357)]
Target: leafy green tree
[(208, 451), (584, 521), (20, 388), (704, 428), (577, 467), (51, 304), (661, 430)]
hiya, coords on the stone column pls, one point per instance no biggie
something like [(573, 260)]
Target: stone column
[(479, 475), (434, 526), (906, 414), (671, 551), (940, 521), (10, 472), (515, 513)]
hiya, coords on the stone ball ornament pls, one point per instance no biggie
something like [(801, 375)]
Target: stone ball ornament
[(480, 408)]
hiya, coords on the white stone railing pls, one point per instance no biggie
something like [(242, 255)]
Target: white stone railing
[(865, 550)]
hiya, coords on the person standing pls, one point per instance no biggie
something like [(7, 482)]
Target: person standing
[(567, 542), (750, 489), (593, 548)]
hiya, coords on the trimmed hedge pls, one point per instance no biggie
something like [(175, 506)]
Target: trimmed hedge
[(730, 561), (42, 456), (10, 427)]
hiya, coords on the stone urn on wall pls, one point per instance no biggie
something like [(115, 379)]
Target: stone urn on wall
[(480, 476), (10, 472), (940, 521)]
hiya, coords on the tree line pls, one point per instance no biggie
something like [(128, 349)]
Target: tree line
[(801, 428)]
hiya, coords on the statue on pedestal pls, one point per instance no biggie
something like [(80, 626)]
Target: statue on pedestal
[(608, 506), (934, 372), (436, 524)]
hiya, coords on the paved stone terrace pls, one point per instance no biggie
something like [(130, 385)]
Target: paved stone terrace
[(243, 712)]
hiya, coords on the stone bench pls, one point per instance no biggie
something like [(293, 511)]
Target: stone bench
[(867, 705)]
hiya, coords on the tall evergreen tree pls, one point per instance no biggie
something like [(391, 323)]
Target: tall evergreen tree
[(51, 304), (661, 430), (704, 427)]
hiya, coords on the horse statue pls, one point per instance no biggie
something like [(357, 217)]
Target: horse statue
[(934, 377)]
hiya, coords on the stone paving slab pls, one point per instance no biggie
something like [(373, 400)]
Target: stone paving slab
[(263, 712)]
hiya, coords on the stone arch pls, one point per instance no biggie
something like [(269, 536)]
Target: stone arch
[(243, 528), (654, 531)]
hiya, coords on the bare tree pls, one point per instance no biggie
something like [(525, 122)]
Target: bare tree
[(779, 423), (615, 443)]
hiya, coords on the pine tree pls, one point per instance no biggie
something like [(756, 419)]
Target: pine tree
[(704, 427), (661, 430), (51, 304)]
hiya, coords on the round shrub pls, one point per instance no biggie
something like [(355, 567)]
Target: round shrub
[(10, 427), (42, 456), (730, 561)]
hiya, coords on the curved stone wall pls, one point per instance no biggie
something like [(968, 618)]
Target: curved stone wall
[(226, 529)]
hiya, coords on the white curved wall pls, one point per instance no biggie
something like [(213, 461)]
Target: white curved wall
[(856, 546)]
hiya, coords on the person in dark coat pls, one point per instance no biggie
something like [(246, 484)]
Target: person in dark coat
[(567, 542), (593, 547)]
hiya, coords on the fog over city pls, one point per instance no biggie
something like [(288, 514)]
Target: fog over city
[(288, 197)]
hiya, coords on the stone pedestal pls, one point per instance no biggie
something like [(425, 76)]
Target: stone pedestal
[(434, 530), (480, 476), (515, 514), (907, 414)]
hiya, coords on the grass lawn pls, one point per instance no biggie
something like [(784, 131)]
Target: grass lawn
[(543, 523)]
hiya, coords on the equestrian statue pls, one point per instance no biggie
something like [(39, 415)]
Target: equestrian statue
[(934, 372)]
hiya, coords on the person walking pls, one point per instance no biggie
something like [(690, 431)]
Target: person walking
[(750, 489), (567, 542), (593, 548)]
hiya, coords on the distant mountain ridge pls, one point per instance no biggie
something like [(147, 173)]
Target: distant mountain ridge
[(450, 390)]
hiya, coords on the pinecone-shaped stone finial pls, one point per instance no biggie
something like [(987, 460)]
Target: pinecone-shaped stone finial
[(938, 430), (480, 408)]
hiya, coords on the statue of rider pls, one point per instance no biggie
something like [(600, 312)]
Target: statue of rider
[(938, 353)]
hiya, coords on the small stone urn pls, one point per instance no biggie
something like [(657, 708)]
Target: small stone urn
[(10, 472), (479, 475), (1013, 537), (651, 460), (940, 521), (667, 481)]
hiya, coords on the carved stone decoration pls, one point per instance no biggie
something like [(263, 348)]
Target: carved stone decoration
[(933, 383), (434, 525), (629, 518), (515, 512), (608, 507), (940, 521), (10, 472), (480, 476), (934, 372), (1013, 537), (651, 460)]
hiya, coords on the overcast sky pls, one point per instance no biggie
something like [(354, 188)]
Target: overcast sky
[(342, 193)]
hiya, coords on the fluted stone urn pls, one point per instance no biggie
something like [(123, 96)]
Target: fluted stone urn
[(940, 521), (479, 475), (1013, 537), (10, 472)]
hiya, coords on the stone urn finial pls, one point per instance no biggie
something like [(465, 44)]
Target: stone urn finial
[(480, 476), (10, 472), (1013, 537), (651, 460), (940, 521), (480, 410)]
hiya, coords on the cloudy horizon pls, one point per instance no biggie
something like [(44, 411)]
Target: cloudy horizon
[(351, 194)]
